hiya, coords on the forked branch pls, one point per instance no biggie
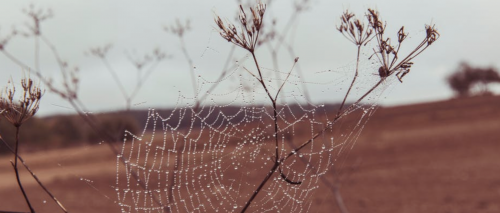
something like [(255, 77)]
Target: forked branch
[(356, 32)]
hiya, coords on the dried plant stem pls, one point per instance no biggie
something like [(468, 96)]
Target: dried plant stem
[(273, 100), (296, 150), (140, 82), (78, 106), (301, 76), (178, 156), (281, 39), (118, 82), (17, 171), (194, 112), (62, 67), (37, 52), (260, 78), (278, 161), (36, 178), (21, 64), (222, 75), (335, 188), (353, 80), (274, 55), (107, 139), (275, 118), (70, 96), (256, 192), (330, 124), (191, 66), (43, 187)]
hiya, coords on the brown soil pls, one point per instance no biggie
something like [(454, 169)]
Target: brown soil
[(432, 157)]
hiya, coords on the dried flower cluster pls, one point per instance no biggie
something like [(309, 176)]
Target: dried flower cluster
[(247, 37), (37, 15), (17, 112), (145, 60), (387, 53), (354, 30), (101, 51), (178, 28)]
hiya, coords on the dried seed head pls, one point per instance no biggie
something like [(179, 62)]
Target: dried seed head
[(432, 34), (17, 112), (387, 54), (100, 52), (402, 35), (353, 29), (375, 21), (247, 37), (178, 28), (37, 15)]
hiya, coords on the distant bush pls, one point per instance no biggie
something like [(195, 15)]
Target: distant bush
[(66, 131), (468, 81)]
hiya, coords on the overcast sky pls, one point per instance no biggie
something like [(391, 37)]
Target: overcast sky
[(469, 32)]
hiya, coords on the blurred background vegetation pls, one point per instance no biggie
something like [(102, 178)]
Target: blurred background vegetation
[(43, 133)]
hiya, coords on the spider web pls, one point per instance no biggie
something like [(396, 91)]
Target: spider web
[(213, 157)]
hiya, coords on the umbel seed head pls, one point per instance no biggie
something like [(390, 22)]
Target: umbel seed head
[(247, 36), (19, 111)]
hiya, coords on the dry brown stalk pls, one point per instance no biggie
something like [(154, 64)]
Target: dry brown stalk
[(271, 33), (179, 30), (144, 67), (247, 38), (69, 88), (387, 54), (19, 111), (356, 32), (35, 177)]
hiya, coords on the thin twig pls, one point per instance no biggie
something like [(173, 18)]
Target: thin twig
[(17, 171), (286, 79), (256, 192), (35, 177), (330, 125), (70, 96), (191, 66), (353, 81), (117, 81)]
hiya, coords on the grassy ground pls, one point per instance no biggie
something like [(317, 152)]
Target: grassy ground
[(432, 157)]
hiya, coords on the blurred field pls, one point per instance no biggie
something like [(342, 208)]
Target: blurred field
[(432, 157)]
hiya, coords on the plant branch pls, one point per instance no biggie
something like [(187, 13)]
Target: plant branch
[(268, 176), (353, 80), (117, 81), (16, 150), (191, 66), (330, 124), (35, 177), (286, 79)]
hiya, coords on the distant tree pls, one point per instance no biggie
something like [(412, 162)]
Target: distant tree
[(468, 81)]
